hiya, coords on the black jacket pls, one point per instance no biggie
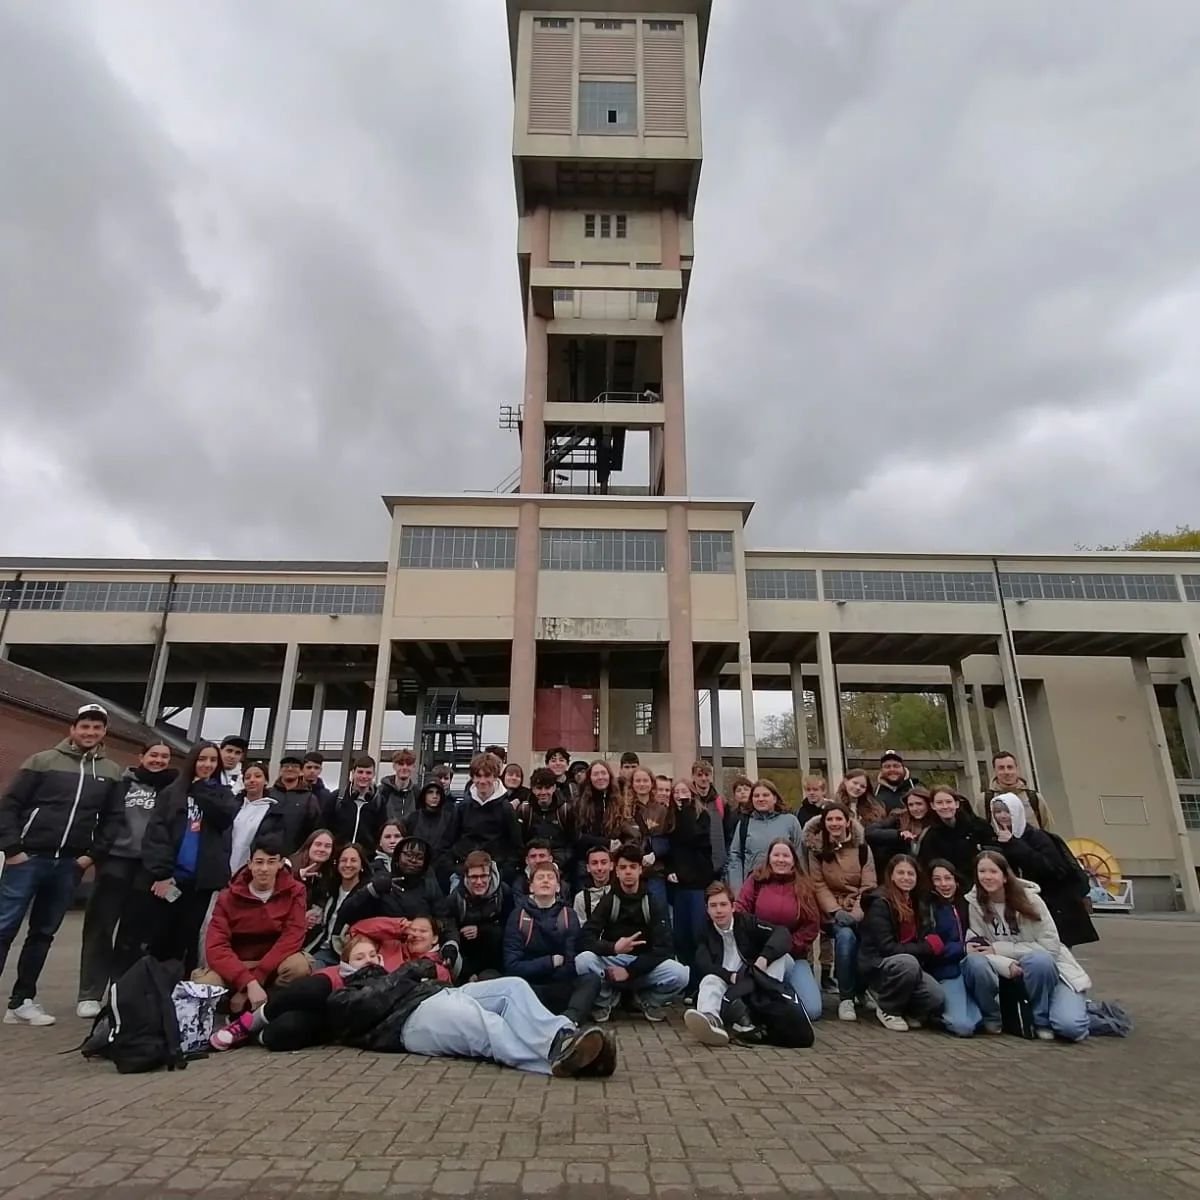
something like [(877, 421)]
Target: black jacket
[(1037, 857), (291, 818), (64, 802), (350, 821), (619, 915), (689, 850), (398, 801), (891, 796), (218, 806), (958, 843), (400, 895), (492, 826), (139, 792), (879, 935), (555, 824), (437, 826), (754, 939), (370, 1011), (485, 951)]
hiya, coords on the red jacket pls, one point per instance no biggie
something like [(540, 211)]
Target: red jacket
[(775, 903), (243, 929), (388, 933)]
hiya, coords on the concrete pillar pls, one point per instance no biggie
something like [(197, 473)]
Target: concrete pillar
[(419, 729), (1184, 859), (674, 436), (373, 734), (269, 736), (985, 733), (1190, 728), (348, 739), (964, 736), (605, 705), (660, 722), (800, 721), (533, 429), (199, 702), (283, 708), (316, 715), (714, 714), (1022, 746), (247, 726), (152, 705), (749, 732), (522, 677), (681, 681), (831, 713)]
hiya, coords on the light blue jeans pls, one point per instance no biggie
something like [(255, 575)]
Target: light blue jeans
[(499, 1019), (1055, 1005), (654, 989), (962, 1014), (799, 976)]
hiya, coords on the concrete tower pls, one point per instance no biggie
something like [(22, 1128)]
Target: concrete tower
[(606, 155)]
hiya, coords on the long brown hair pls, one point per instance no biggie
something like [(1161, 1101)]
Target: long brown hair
[(1016, 899), (904, 907), (866, 808), (327, 871), (806, 899), (607, 815)]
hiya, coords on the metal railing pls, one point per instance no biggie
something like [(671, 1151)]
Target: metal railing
[(645, 396)]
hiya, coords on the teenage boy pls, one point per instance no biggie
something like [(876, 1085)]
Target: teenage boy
[(233, 752), (599, 867), (310, 772), (538, 852), (815, 801), (59, 814), (399, 790), (559, 762), (712, 803), (541, 941), (487, 821), (627, 942), (629, 763), (498, 752), (480, 905), (1006, 777), (257, 925), (443, 773), (544, 815), (356, 813), (297, 811)]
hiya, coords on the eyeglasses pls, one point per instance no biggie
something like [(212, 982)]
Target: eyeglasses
[(478, 878)]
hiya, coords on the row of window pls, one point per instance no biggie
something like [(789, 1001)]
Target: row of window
[(457, 548), (772, 584), (1191, 588), (1190, 803), (605, 225), (300, 598), (609, 26), (603, 550), (954, 587), (1042, 585)]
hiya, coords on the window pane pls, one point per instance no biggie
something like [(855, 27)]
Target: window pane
[(607, 107), (603, 550), (712, 552)]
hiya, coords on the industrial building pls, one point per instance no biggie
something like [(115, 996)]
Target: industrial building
[(592, 598)]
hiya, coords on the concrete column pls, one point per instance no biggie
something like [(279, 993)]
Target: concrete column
[(681, 681), (316, 715), (269, 736), (831, 713), (1023, 746), (800, 721), (605, 704), (674, 435), (373, 734), (533, 429), (522, 679), (660, 724), (419, 727), (749, 733), (1184, 859), (348, 740), (283, 709), (985, 733), (247, 726), (964, 736), (1190, 728), (714, 714), (152, 705), (199, 702)]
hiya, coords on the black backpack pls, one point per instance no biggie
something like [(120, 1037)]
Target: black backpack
[(137, 1030), (1082, 884)]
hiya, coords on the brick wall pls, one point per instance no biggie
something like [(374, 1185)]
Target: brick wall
[(23, 732)]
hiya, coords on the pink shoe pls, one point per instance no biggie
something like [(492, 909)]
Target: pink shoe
[(233, 1035)]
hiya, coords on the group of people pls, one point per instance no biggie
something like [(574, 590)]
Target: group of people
[(510, 923)]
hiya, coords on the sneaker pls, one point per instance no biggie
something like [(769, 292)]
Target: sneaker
[(892, 1021), (601, 1016), (604, 1064), (992, 1027), (1042, 1033), (705, 1029), (574, 1049), (749, 1035), (868, 1001), (846, 1011), (231, 1036), (89, 1010), (28, 1012), (654, 1013)]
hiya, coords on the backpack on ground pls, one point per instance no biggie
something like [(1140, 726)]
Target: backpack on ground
[(196, 1014), (1016, 1013), (137, 1030), (1106, 1018)]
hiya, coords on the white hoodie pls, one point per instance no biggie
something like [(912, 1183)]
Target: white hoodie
[(1037, 934), (1016, 810)]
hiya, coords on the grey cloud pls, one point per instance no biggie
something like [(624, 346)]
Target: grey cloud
[(266, 256)]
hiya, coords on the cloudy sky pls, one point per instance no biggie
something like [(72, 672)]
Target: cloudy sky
[(257, 266)]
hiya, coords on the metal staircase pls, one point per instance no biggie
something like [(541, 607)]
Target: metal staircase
[(452, 733)]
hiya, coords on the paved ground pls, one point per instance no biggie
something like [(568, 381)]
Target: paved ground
[(864, 1113)]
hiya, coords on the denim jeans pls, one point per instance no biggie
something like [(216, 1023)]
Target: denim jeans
[(654, 989), (656, 889), (688, 917), (1055, 1005), (799, 976), (961, 1015), (845, 960), (44, 887)]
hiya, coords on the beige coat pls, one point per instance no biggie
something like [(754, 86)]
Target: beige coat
[(841, 882)]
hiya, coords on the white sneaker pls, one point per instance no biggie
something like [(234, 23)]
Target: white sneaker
[(896, 1024), (89, 1010), (28, 1013), (707, 1030), (846, 1011), (869, 1002), (1043, 1034)]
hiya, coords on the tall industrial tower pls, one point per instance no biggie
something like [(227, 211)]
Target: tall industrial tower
[(606, 156)]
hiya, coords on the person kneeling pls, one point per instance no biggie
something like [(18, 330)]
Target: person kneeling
[(627, 941), (734, 953), (258, 924)]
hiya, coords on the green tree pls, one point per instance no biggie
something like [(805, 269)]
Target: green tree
[(1184, 538), (871, 721)]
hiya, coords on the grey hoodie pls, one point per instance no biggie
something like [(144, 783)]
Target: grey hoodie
[(761, 830), (140, 793)]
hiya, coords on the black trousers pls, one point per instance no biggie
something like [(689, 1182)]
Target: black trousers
[(108, 906), (295, 1014), (164, 929), (570, 998)]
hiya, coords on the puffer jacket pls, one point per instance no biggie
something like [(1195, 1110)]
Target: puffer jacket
[(840, 881), (139, 791), (554, 823), (950, 923), (958, 844), (1010, 942), (64, 802), (879, 935), (356, 817), (217, 806), (489, 825), (752, 837), (370, 1011)]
